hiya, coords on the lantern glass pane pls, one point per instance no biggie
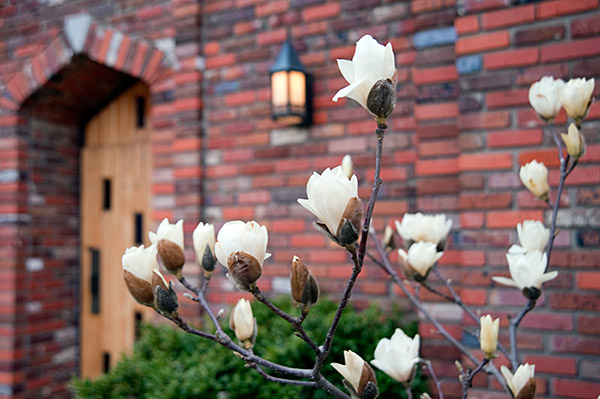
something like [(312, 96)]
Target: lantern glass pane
[(279, 89), (297, 88)]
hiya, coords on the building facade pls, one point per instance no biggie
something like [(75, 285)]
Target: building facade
[(115, 115)]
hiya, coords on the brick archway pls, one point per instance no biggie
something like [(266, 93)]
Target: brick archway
[(104, 45), (38, 233)]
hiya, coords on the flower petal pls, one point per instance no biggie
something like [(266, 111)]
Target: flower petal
[(347, 69)]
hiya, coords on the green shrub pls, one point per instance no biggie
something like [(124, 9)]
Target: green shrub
[(170, 364)]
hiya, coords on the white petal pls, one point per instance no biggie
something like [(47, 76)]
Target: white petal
[(347, 69), (357, 91), (505, 281)]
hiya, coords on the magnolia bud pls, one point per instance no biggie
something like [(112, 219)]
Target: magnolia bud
[(419, 259), (305, 289), (576, 97), (534, 176), (358, 374), (347, 166), (388, 239), (522, 383), (166, 299), (244, 269), (488, 336), (348, 232), (574, 142), (204, 245), (171, 255), (382, 98), (242, 322), (169, 241)]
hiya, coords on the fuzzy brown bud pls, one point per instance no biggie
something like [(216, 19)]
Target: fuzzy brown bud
[(244, 268), (350, 225), (139, 289), (171, 255), (305, 288), (382, 98)]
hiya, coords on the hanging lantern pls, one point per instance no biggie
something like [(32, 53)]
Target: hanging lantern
[(289, 88)]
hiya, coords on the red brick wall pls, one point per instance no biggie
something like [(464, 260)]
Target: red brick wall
[(460, 131)]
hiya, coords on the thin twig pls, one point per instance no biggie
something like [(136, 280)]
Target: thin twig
[(512, 328), (408, 391), (437, 382), (295, 322), (466, 378), (269, 377)]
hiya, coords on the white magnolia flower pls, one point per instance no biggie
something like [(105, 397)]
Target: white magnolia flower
[(533, 235), (241, 320), (527, 271), (168, 231), (419, 227), (523, 379), (141, 274), (242, 249), (574, 142), (332, 197), (204, 240), (356, 371), (534, 175), (140, 261), (421, 257), (236, 236), (371, 62), (488, 336), (543, 97), (576, 97), (397, 356), (347, 166)]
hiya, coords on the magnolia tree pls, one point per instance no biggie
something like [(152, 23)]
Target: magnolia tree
[(332, 197)]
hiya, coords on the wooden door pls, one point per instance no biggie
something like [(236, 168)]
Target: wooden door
[(115, 209)]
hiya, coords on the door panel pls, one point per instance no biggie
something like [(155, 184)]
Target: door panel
[(115, 187)]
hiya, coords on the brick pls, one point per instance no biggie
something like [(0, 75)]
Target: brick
[(220, 61), (390, 13), (586, 27), (436, 111), (548, 157), (514, 138), (552, 364), (588, 324), (571, 50), (437, 185), (510, 219), (510, 58), (485, 201), (482, 42), (434, 75), (487, 120), (464, 25), (240, 98), (271, 7), (434, 38), (484, 161), (321, 11), (509, 17), (421, 6), (551, 9), (575, 388), (588, 280), (538, 35), (507, 98), (436, 167), (271, 37), (575, 301), (472, 6), (442, 147)]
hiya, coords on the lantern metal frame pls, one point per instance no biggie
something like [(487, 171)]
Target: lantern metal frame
[(291, 114)]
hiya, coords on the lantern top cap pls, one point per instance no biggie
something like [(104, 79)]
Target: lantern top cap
[(287, 60)]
